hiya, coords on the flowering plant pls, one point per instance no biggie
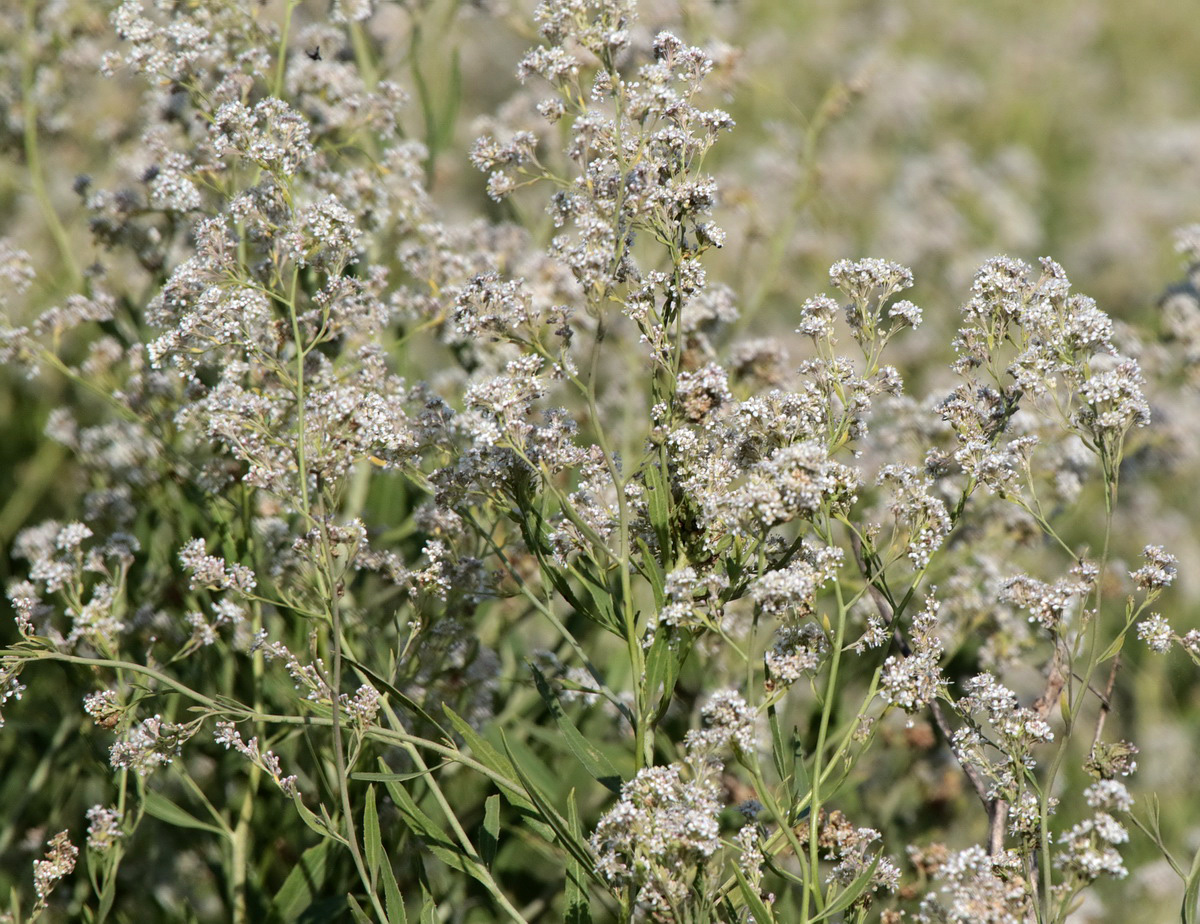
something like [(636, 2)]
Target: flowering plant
[(420, 565)]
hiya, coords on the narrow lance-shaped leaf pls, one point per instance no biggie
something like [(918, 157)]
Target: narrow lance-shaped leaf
[(586, 753)]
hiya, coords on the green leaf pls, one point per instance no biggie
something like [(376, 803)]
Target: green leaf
[(393, 900), (658, 508), (762, 914), (372, 840), (489, 834), (485, 752), (356, 910), (1113, 649), (654, 574), (1191, 891), (601, 602), (107, 897), (14, 906), (428, 907), (164, 809), (852, 892), (779, 752), (434, 836), (309, 817), (304, 883), (578, 909), (664, 661), (575, 846), (533, 531), (585, 752), (387, 777)]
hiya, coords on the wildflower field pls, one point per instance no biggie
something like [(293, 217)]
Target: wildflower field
[(700, 461)]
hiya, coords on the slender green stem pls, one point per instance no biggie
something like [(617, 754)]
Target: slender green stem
[(1075, 707), (481, 871), (819, 765), (243, 713), (33, 157), (281, 60), (339, 747)]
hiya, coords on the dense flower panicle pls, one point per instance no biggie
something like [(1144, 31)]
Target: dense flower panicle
[(660, 831), (870, 278), (76, 311), (150, 744), (53, 551), (751, 858), (692, 600), (206, 43), (1090, 849), (793, 589), (488, 304), (104, 828), (58, 863), (1048, 603), (906, 312), (104, 707), (978, 889), (1158, 572), (10, 686), (331, 91), (347, 11), (504, 403), (634, 141), (797, 650), (1109, 795), (875, 634), (728, 722), (701, 394), (869, 284), (16, 271), (1156, 632), (1057, 338), (271, 134), (850, 849), (363, 706), (817, 316), (324, 234), (912, 681), (1113, 402), (1017, 728), (597, 25), (212, 572), (489, 155), (88, 578), (915, 507), (1025, 811), (794, 482)]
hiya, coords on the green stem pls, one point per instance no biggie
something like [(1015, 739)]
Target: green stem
[(1074, 709), (281, 61), (243, 713), (33, 155), (819, 765), (483, 874)]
